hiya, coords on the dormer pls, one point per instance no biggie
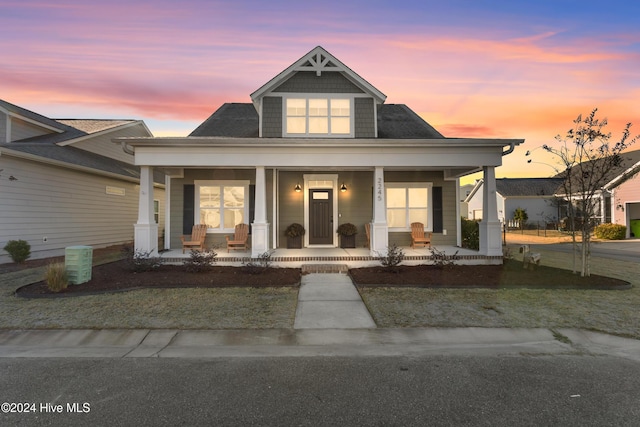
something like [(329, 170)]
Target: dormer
[(317, 97)]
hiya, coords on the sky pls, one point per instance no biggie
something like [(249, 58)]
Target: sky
[(473, 68)]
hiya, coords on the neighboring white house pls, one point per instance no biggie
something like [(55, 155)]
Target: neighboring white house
[(64, 183), (318, 146), (535, 195)]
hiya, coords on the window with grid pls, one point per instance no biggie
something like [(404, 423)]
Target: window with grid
[(407, 203), (318, 116), (221, 205)]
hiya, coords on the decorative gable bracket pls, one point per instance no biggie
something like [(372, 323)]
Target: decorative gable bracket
[(318, 62)]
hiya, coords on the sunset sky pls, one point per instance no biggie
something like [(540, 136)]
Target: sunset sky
[(475, 68)]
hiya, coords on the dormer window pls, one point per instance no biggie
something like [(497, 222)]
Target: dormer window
[(318, 116)]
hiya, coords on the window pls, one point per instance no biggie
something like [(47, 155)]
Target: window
[(156, 211), (318, 116), (221, 205), (407, 203)]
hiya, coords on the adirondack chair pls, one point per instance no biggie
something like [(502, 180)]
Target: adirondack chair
[(418, 238), (239, 239), (196, 240), (367, 229)]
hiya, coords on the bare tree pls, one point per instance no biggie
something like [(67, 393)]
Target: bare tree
[(588, 160)]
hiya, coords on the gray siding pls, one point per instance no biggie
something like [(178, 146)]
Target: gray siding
[(365, 120), (3, 127), (291, 204), (308, 82), (23, 130), (216, 240), (272, 117), (102, 144), (67, 207), (449, 203), (356, 204)]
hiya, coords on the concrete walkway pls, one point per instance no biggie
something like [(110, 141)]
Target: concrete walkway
[(136, 343), (330, 301)]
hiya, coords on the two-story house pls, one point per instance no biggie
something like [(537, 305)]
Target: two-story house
[(317, 146)]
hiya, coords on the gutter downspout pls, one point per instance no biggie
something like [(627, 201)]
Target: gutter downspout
[(512, 146)]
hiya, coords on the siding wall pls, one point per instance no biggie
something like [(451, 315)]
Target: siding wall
[(364, 118), (67, 207), (22, 130), (308, 82), (102, 144), (449, 203), (3, 127), (191, 175), (539, 210), (272, 117), (628, 195)]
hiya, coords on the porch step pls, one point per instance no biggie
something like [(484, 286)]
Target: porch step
[(324, 268)]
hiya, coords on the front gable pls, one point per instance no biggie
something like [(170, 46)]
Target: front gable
[(317, 96)]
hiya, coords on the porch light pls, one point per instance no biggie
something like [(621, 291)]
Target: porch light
[(343, 188), (297, 188)]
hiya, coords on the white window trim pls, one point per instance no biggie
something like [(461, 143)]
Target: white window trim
[(429, 187), (308, 96), (207, 183)]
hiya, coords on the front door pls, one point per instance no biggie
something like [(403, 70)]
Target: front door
[(321, 217)]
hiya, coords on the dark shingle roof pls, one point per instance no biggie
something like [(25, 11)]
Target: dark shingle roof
[(240, 120), (628, 159), (236, 120), (399, 121), (527, 187)]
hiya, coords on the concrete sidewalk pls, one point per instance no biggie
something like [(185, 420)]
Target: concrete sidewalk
[(330, 301), (312, 342)]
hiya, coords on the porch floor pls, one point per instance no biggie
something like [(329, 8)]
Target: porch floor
[(352, 257)]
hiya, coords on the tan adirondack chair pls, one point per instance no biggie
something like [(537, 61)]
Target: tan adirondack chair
[(239, 240), (196, 240), (418, 238)]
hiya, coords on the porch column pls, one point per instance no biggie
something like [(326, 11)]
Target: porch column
[(490, 238), (146, 229), (379, 229), (260, 226)]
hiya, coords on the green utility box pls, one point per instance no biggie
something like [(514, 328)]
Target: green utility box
[(78, 262), (635, 227)]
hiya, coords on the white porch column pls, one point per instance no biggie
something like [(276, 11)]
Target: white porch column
[(490, 238), (260, 226), (146, 229), (379, 228)]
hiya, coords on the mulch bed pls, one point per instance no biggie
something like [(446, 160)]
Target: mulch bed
[(117, 276), (509, 275)]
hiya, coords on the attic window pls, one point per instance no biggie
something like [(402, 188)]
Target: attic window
[(318, 116)]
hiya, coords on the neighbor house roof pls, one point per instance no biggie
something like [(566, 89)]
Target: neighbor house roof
[(240, 120), (521, 187), (54, 147), (629, 166)]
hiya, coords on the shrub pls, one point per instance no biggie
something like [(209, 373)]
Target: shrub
[(199, 262), (440, 259), (611, 231), (347, 229), (470, 230), (56, 277), (19, 250), (259, 265), (521, 216), (140, 261), (294, 230), (392, 258)]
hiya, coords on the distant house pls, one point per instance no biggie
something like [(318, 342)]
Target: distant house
[(63, 182), (535, 195), (622, 195), (318, 146)]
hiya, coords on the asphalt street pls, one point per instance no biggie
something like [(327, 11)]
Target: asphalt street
[(523, 390)]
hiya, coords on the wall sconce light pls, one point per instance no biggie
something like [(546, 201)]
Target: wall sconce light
[(620, 208), (343, 188), (297, 188)]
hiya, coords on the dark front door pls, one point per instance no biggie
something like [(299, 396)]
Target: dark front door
[(320, 217)]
